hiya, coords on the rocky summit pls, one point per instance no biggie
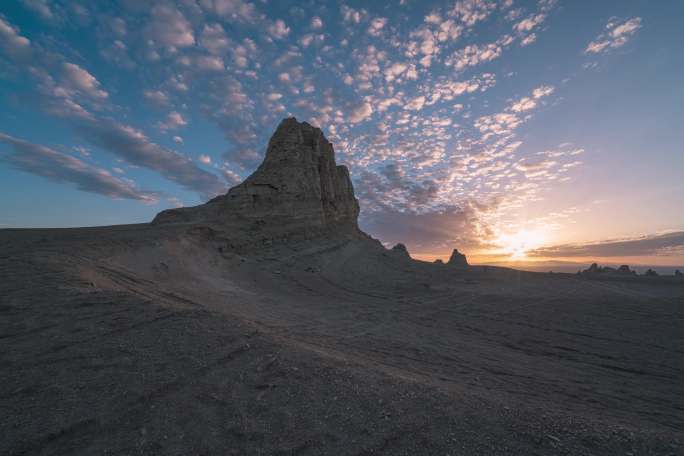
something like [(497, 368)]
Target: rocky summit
[(298, 188), (401, 251), (457, 259)]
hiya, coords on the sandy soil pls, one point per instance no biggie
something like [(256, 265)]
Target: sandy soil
[(150, 340)]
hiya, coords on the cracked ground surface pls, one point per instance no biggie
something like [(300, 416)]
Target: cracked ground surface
[(141, 340)]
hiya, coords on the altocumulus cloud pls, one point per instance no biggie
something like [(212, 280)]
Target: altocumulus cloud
[(406, 102), (63, 168), (77, 90), (617, 34)]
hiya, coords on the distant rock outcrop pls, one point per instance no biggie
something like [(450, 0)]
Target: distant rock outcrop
[(596, 269), (624, 269), (457, 259), (593, 269), (650, 273), (298, 188), (401, 250), (678, 273)]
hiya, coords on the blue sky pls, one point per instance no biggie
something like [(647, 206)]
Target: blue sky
[(505, 128)]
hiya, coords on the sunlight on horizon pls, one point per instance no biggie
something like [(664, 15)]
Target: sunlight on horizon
[(516, 245)]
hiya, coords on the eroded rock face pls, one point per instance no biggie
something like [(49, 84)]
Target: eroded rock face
[(457, 259), (298, 187), (401, 250)]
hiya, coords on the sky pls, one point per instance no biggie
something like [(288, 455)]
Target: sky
[(512, 130)]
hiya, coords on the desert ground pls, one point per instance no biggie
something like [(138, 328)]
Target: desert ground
[(168, 339)]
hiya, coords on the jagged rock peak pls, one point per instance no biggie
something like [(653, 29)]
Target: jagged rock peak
[(298, 186), (401, 250), (457, 259)]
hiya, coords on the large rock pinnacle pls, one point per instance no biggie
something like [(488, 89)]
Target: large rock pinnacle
[(457, 259), (298, 187)]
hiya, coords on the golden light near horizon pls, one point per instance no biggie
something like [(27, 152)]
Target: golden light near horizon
[(517, 245)]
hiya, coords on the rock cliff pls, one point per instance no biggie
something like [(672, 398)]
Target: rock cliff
[(297, 188)]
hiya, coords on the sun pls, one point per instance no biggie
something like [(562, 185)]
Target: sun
[(517, 245)]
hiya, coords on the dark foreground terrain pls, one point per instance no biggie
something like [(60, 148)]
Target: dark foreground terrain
[(161, 340)]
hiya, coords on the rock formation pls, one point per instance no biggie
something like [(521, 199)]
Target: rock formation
[(593, 269), (298, 189), (401, 251), (624, 269), (596, 269), (457, 259)]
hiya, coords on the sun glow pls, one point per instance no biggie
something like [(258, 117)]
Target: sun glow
[(518, 244)]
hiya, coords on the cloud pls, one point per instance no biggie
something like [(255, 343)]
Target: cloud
[(415, 104), (650, 245), (529, 39), (11, 42), (233, 10), (617, 34), (507, 121), (432, 232), (306, 40), (542, 91), (157, 96), (206, 159), (209, 63), (214, 39), (361, 113), (39, 6), (62, 168), (169, 28), (501, 123), (527, 103), (352, 15), (279, 29), (472, 11), (376, 26), (117, 53), (395, 70), (78, 79), (316, 22), (529, 23), (133, 146), (473, 55), (173, 121)]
